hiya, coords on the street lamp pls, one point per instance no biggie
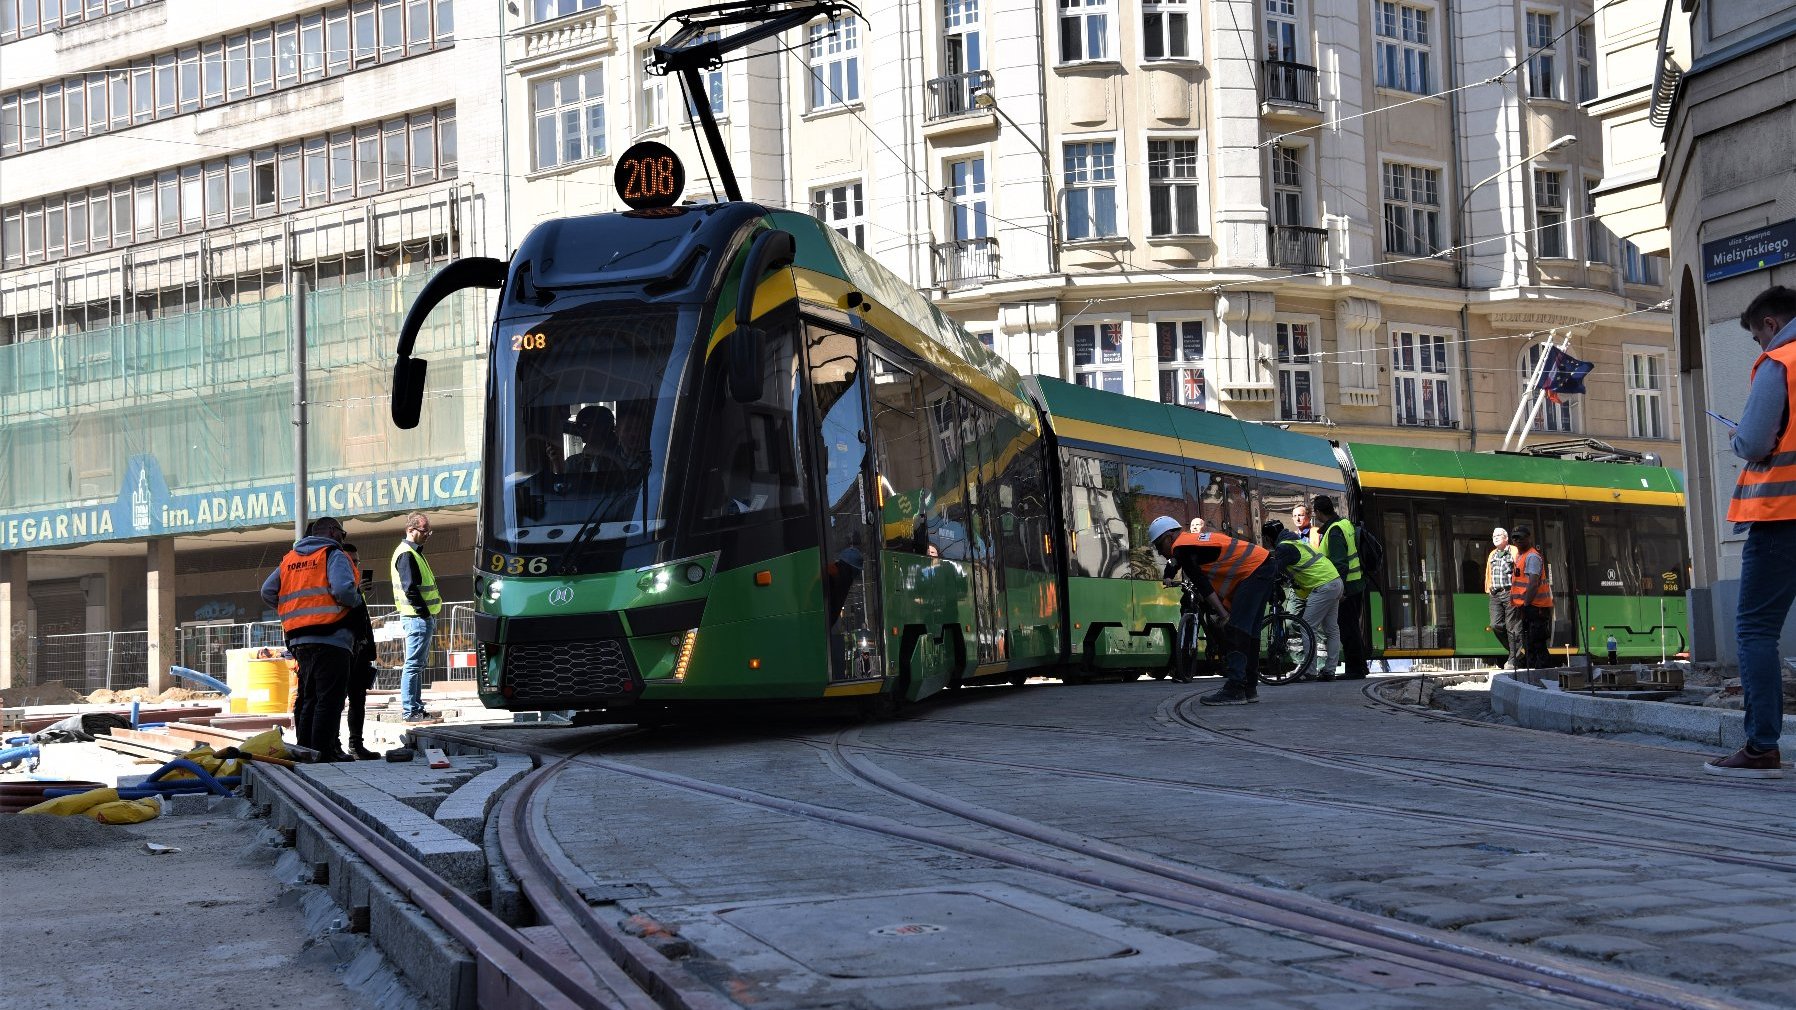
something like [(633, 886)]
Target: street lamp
[(1465, 308), (984, 100)]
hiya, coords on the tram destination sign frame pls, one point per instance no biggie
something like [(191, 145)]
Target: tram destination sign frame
[(1749, 252)]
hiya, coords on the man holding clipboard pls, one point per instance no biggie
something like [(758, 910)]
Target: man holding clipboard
[(1764, 503)]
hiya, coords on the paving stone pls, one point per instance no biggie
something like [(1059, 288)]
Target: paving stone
[(1749, 915), (1636, 902), (1448, 914), (1782, 931), (1597, 945), (1663, 923), (1514, 930)]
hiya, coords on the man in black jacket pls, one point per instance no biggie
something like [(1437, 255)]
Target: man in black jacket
[(361, 662)]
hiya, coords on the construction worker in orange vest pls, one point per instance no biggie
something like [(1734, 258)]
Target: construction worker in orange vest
[(1530, 604), (1764, 507), (1235, 578), (315, 592)]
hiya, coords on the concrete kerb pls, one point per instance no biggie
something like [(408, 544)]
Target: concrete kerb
[(465, 810), (1573, 712), (435, 963)]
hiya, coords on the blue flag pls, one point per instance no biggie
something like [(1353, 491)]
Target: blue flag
[(1563, 374)]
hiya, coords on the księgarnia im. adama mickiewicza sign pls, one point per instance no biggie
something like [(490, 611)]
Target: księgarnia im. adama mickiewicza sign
[(1758, 249)]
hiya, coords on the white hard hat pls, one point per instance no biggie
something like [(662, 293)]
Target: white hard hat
[(1162, 526)]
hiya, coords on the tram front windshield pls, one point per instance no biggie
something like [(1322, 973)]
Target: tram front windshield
[(578, 428)]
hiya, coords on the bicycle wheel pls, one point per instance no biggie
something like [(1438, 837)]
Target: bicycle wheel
[(1287, 649), (1187, 649)]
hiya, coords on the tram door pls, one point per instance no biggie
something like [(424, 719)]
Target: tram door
[(837, 378), (978, 431), (1553, 537)]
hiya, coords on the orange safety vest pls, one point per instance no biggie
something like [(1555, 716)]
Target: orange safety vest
[(1518, 584), (306, 601), (1766, 490), (1238, 560)]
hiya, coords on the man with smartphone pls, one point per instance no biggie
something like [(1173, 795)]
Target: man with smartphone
[(1764, 504), (361, 662)]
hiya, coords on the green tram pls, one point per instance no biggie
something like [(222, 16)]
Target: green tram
[(729, 457)]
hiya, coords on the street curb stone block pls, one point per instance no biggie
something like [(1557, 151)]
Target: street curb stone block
[(465, 810), (1539, 708), (436, 965)]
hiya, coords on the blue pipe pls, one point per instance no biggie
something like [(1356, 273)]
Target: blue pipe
[(13, 755), (194, 675)]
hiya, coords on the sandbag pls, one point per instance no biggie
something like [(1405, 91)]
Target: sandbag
[(79, 803), (128, 811)]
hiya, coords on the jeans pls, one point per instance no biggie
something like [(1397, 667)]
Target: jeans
[(1499, 619), (417, 654), (1322, 611), (1767, 587), (1247, 614)]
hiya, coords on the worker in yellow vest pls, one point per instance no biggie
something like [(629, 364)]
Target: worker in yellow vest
[(1318, 587), (1339, 540), (416, 598)]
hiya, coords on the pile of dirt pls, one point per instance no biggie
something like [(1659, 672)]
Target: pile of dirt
[(50, 692), (142, 694), (24, 835)]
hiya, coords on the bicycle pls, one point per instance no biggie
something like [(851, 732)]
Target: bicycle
[(1287, 642)]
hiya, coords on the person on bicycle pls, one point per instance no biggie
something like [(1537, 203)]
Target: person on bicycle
[(1234, 578), (1319, 588)]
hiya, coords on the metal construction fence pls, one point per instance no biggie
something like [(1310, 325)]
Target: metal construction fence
[(203, 646), (110, 660)]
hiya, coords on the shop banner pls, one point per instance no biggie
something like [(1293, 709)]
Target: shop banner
[(145, 507)]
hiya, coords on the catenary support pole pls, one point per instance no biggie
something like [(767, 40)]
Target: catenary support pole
[(300, 516)]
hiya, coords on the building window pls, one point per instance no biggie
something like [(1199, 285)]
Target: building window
[(962, 34), (1297, 388), (570, 118), (1553, 417), (1084, 30), (1543, 56), (1420, 389), (1404, 48), (1098, 355), (835, 62), (1165, 30), (841, 208), (1287, 187), (1549, 214), (967, 197), (712, 80), (1586, 50), (1639, 269), (1173, 188), (1282, 38), (1646, 394), (1596, 235), (1412, 210), (1181, 347), (1090, 190), (546, 10), (651, 109)]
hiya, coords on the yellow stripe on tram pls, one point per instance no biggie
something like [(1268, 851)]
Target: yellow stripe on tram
[(845, 690)]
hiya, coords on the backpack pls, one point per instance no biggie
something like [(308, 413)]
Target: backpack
[(1371, 552)]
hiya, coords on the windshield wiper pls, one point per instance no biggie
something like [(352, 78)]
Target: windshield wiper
[(590, 526)]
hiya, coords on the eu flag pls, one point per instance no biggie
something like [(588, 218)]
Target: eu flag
[(1563, 374)]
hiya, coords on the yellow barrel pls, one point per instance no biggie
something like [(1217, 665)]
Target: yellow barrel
[(270, 683)]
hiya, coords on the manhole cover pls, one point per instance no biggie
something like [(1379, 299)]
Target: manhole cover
[(893, 935), (908, 929)]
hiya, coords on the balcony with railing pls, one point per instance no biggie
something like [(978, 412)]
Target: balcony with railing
[(1297, 247), (965, 263), (1291, 91), (953, 95)]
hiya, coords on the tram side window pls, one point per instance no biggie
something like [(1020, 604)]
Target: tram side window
[(1471, 547), (1224, 504), (748, 460), (1276, 499), (1608, 569), (1152, 491), (901, 446), (1099, 535), (950, 525), (1660, 565), (1024, 519)]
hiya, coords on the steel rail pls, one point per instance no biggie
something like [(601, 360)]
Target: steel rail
[(624, 962), (1178, 711), (1129, 872), (1545, 831), (510, 972)]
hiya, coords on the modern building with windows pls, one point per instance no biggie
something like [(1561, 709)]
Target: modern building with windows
[(172, 177)]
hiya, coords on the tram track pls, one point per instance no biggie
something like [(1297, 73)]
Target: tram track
[(1143, 876), (589, 964)]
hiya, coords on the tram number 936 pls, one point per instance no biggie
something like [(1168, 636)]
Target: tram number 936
[(516, 564)]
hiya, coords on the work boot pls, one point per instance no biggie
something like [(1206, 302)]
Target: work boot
[(362, 753), (1230, 694)]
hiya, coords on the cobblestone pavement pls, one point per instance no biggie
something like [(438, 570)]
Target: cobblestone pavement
[(1623, 855)]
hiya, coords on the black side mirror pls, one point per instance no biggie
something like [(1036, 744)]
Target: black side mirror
[(771, 250), (408, 372)]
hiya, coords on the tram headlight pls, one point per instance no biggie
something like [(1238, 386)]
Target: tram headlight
[(492, 590), (695, 573)]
